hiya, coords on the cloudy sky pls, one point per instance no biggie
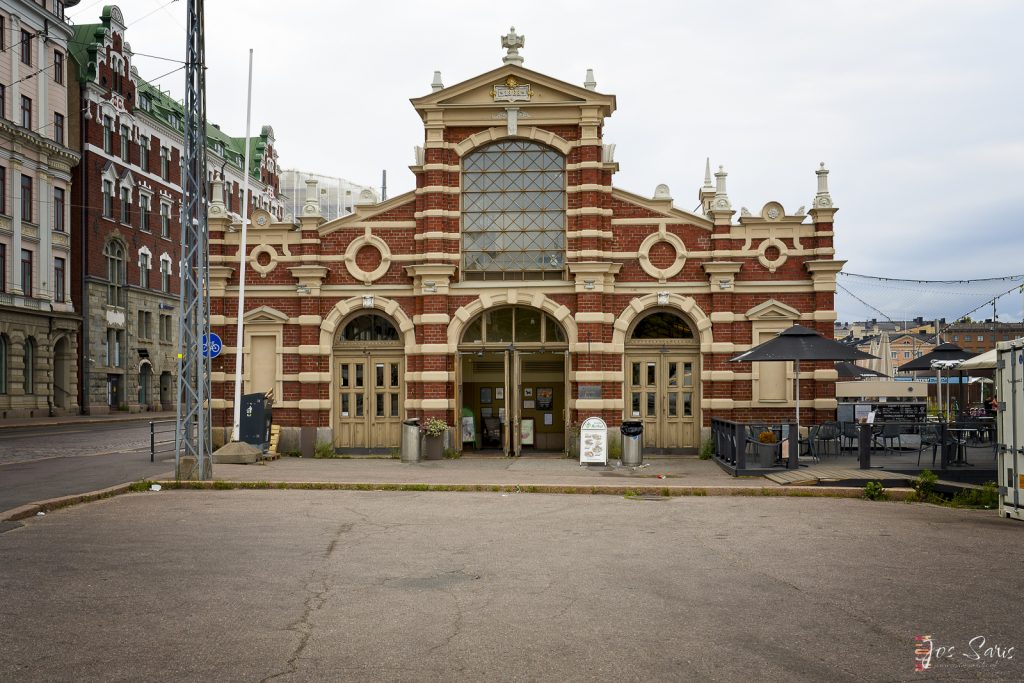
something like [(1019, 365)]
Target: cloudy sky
[(916, 106)]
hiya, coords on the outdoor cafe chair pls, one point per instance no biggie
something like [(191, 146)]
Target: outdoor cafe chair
[(810, 444), (891, 433), (829, 433), (851, 434)]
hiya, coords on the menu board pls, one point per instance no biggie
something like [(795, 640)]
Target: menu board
[(884, 412), (594, 441)]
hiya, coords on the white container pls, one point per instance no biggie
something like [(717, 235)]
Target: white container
[(1010, 427)]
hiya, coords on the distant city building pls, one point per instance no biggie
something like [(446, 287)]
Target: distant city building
[(338, 197), (874, 327), (38, 324), (981, 336)]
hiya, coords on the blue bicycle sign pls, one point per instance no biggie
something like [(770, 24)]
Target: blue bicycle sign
[(212, 345)]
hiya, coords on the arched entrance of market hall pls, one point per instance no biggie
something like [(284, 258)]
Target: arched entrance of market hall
[(369, 384), (512, 383), (662, 381)]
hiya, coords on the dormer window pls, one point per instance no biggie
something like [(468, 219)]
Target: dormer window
[(145, 102)]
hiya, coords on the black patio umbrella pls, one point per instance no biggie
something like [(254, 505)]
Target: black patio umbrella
[(848, 370), (796, 344), (945, 354), (941, 352)]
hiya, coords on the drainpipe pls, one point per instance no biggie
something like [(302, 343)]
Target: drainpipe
[(83, 342)]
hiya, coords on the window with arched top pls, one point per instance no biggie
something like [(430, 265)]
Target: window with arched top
[(29, 371), (114, 254), (513, 212), (369, 327), (662, 325), (514, 325)]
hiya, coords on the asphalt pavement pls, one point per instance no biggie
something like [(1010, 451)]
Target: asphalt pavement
[(47, 461), (405, 586)]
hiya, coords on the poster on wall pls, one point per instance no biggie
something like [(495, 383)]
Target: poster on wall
[(594, 441), (549, 419), (528, 405), (527, 392), (545, 397), (468, 428), (499, 393), (485, 394), (526, 432)]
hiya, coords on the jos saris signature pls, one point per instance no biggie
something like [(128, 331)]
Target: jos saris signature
[(928, 652)]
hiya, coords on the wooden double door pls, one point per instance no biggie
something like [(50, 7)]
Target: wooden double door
[(663, 392), (369, 391)]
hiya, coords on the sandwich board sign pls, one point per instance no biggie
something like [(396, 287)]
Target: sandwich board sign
[(594, 441)]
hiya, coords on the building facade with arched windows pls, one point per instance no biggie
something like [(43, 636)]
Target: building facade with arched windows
[(516, 291)]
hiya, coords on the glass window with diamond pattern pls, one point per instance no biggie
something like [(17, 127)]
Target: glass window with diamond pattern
[(513, 212)]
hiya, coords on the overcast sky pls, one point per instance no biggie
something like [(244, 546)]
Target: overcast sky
[(916, 106)]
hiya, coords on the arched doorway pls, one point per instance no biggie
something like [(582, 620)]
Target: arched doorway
[(61, 372), (369, 384), (145, 373), (512, 392), (166, 387), (662, 380)]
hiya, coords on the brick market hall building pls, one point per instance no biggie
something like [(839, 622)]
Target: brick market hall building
[(518, 288)]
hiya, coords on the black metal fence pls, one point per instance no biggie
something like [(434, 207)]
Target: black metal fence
[(964, 450), (161, 438)]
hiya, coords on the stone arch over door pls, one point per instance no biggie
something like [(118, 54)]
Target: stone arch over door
[(342, 309), (686, 305), (468, 312), (639, 308)]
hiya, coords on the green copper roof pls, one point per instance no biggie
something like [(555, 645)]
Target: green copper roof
[(85, 46)]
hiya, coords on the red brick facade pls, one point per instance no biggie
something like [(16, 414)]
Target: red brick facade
[(625, 256)]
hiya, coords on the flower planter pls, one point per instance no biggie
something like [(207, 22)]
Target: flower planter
[(767, 454), (433, 447)]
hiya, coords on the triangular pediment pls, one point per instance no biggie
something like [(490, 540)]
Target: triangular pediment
[(772, 310), (366, 212), (482, 91), (662, 207), (265, 314)]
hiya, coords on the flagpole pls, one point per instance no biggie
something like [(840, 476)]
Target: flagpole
[(242, 254)]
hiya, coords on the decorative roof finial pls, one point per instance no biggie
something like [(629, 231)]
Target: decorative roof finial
[(512, 42), (707, 174), (437, 84), (721, 196), (822, 200), (589, 83)]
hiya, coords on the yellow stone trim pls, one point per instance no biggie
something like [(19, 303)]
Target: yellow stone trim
[(496, 133), (368, 239), (596, 404), (436, 235)]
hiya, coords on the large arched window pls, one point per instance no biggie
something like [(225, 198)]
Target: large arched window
[(513, 212), (114, 253), (369, 327), (662, 325), (29, 373), (4, 359), (515, 325)]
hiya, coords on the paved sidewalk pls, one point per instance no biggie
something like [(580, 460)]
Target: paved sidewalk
[(86, 419), (685, 471)]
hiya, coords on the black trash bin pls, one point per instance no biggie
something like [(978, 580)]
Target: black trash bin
[(255, 420), (632, 443)]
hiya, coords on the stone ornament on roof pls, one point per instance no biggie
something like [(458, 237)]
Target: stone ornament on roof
[(512, 42)]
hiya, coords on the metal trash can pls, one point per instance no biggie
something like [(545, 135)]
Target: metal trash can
[(411, 440), (632, 443)]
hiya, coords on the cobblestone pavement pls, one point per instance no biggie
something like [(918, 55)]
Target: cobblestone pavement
[(27, 444)]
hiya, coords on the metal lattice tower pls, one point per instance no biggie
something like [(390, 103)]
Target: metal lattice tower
[(192, 438)]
